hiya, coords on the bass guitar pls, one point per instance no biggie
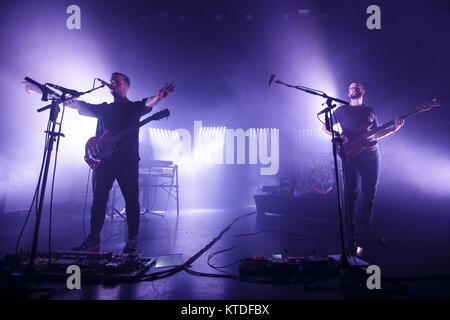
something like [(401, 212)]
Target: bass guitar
[(360, 139), (97, 149)]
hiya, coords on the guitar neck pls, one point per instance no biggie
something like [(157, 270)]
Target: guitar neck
[(125, 132), (387, 125), (122, 134)]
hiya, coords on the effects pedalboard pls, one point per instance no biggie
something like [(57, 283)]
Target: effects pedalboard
[(279, 267), (94, 266)]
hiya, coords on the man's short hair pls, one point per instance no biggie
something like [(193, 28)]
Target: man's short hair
[(358, 83), (127, 80)]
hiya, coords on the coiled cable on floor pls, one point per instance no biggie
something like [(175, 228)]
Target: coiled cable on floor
[(166, 273)]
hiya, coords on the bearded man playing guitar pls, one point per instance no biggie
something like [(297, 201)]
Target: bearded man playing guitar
[(363, 166), (123, 164)]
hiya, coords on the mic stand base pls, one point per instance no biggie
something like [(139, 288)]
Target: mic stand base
[(353, 272)]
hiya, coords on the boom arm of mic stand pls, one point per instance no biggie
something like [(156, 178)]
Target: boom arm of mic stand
[(314, 92), (44, 89), (306, 89), (71, 98)]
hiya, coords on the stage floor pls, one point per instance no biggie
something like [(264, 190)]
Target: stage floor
[(417, 247)]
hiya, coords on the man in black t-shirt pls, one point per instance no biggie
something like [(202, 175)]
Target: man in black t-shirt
[(123, 164), (362, 170)]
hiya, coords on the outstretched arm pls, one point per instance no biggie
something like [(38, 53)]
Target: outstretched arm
[(84, 108), (162, 93), (74, 104)]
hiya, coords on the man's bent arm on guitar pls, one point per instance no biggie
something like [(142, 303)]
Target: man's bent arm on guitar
[(398, 123)]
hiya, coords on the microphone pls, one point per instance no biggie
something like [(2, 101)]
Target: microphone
[(73, 93), (45, 91), (106, 83), (272, 77)]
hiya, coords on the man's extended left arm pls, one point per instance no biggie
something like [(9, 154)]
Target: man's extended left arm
[(167, 88)]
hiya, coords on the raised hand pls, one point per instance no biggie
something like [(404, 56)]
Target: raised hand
[(165, 90), (398, 123)]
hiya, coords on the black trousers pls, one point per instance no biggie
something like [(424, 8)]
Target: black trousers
[(361, 181), (127, 173)]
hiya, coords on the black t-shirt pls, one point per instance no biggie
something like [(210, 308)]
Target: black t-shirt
[(352, 119), (116, 117)]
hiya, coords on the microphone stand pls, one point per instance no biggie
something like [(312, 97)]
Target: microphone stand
[(52, 135), (355, 272), (336, 138), (56, 99)]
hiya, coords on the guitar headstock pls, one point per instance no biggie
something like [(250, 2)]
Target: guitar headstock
[(428, 105), (160, 114)]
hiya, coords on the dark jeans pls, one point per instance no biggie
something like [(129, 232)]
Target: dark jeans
[(127, 174), (362, 177)]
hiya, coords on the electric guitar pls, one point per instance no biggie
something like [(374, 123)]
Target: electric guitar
[(97, 149), (359, 139)]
